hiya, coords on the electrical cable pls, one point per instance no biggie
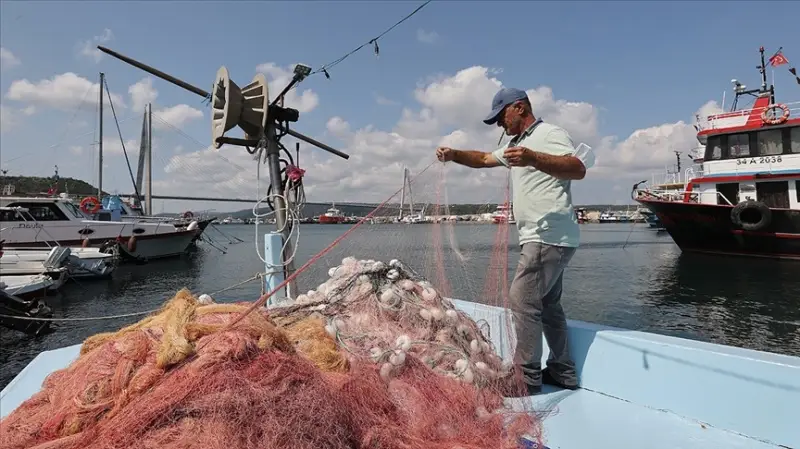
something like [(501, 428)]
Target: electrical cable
[(373, 41)]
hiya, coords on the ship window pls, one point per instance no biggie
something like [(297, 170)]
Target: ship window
[(797, 189), (42, 211), (714, 148), (774, 193), (770, 142), (739, 145), (75, 210), (795, 138)]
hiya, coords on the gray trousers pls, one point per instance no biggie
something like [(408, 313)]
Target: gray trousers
[(535, 297)]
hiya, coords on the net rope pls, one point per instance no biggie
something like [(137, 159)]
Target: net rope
[(376, 353)]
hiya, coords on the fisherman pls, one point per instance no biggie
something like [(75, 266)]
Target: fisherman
[(542, 161)]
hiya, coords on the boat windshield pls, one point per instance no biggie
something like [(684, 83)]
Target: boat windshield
[(75, 211)]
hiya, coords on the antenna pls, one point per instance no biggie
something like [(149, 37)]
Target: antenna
[(263, 123)]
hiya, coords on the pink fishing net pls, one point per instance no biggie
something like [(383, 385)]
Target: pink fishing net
[(373, 356)]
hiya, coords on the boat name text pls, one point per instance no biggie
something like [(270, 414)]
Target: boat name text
[(759, 160), (29, 225)]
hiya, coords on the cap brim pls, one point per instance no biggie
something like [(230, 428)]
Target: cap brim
[(492, 118)]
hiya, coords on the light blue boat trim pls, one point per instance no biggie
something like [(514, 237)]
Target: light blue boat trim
[(752, 172)]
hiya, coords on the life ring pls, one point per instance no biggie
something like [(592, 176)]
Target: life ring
[(95, 205), (751, 215), (775, 120), (188, 214)]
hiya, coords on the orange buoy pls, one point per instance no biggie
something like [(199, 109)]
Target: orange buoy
[(775, 119), (90, 205)]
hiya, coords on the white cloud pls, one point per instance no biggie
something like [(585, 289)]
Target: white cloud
[(449, 112), (383, 101), (177, 116), (142, 93), (427, 37), (7, 59), (277, 78), (88, 48), (66, 91), (8, 119)]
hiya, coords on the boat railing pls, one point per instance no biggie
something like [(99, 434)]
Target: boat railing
[(692, 173), (711, 121), (674, 195)]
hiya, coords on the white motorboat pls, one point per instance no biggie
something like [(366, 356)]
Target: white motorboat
[(38, 221)]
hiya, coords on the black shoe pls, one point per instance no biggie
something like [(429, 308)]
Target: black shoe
[(513, 387), (548, 379)]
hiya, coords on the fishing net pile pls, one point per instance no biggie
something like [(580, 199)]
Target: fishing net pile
[(374, 357)]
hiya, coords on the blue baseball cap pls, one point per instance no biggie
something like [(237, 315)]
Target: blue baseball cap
[(503, 98)]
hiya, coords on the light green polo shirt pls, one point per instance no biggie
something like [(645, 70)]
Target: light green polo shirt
[(542, 203)]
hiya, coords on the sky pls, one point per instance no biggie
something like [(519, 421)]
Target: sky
[(626, 78)]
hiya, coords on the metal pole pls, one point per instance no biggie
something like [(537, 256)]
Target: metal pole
[(403, 194), (100, 144), (149, 199), (273, 161)]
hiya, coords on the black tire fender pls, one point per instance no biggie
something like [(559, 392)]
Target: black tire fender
[(748, 208)]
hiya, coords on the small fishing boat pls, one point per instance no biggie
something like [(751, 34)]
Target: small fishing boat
[(28, 285), (83, 263)]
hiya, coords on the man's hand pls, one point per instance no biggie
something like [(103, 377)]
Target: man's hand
[(445, 154), (520, 157)]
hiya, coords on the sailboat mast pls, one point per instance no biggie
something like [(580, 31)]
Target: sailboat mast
[(149, 199), (100, 143)]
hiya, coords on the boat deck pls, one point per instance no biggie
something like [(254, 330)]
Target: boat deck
[(639, 390), (585, 419)]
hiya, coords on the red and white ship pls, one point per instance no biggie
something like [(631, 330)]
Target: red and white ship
[(332, 216), (746, 198), (503, 214)]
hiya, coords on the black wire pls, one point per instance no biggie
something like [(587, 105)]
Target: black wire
[(373, 41)]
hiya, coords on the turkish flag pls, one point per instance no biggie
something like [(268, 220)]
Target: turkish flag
[(778, 59)]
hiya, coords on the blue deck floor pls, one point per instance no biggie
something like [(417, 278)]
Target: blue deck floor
[(584, 419)]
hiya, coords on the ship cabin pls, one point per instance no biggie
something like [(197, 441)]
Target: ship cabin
[(750, 154)]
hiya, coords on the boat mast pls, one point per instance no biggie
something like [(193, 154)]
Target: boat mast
[(739, 89), (149, 193), (100, 143)]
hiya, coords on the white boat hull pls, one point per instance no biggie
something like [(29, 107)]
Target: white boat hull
[(25, 286), (81, 262)]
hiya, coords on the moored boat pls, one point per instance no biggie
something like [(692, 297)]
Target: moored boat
[(332, 216), (503, 214), (747, 199), (42, 221)]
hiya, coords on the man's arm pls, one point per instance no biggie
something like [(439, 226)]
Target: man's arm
[(475, 159), (556, 159), (562, 167)]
